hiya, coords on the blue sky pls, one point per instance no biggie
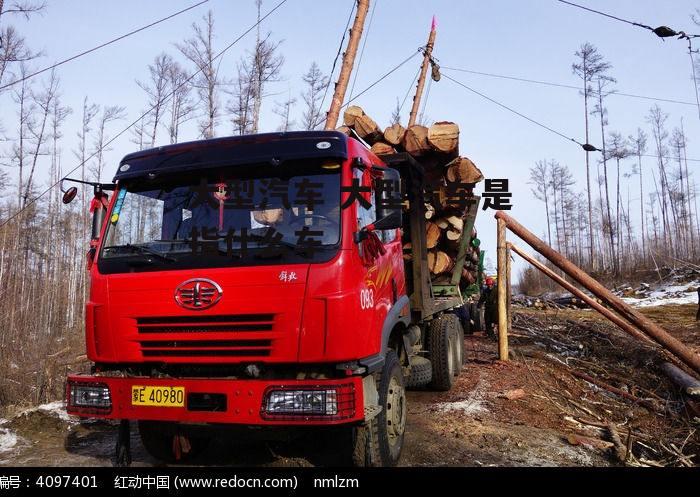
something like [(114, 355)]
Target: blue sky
[(533, 39)]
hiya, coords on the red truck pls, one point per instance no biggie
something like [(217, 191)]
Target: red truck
[(260, 281)]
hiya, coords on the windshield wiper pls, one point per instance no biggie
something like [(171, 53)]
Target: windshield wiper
[(147, 251)]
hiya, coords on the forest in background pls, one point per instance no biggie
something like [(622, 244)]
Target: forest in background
[(41, 333)]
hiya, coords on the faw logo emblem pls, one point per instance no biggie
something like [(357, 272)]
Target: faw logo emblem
[(198, 294)]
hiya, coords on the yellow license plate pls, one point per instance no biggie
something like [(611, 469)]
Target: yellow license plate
[(157, 396)]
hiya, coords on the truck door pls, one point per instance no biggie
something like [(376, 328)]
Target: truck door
[(383, 282)]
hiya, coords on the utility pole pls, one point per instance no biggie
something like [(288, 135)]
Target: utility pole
[(423, 71), (341, 85)]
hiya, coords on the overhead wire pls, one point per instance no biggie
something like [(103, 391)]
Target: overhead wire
[(510, 109), (375, 83), (562, 85), (114, 40), (137, 120), (548, 128)]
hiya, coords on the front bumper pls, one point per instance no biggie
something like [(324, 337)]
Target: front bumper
[(244, 400)]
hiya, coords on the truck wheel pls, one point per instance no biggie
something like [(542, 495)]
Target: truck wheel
[(421, 372), (443, 336), (159, 440), (459, 351), (379, 441)]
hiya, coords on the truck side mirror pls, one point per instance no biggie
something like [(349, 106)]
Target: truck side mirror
[(70, 194), (388, 199)]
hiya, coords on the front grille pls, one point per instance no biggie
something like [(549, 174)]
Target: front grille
[(198, 324), (240, 335)]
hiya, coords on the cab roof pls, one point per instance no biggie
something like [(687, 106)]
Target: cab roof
[(272, 148)]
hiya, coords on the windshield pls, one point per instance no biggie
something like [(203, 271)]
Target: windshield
[(226, 217)]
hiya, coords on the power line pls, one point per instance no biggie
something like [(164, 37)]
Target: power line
[(587, 147), (608, 15), (381, 78), (562, 85), (69, 59), (137, 120), (551, 130), (660, 31), (410, 87)]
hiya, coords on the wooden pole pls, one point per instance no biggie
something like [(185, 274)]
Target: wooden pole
[(341, 85), (509, 293), (653, 330), (502, 290), (423, 72), (624, 325)]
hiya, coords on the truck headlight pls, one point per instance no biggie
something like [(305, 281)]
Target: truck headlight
[(89, 395), (318, 402)]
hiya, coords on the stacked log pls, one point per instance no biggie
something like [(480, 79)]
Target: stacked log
[(436, 148)]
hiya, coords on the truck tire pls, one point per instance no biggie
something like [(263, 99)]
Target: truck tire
[(421, 372), (157, 438), (459, 351), (443, 334), (378, 442)]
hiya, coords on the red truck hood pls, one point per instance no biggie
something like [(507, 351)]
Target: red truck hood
[(257, 318)]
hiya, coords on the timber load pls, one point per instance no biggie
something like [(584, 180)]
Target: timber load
[(447, 175)]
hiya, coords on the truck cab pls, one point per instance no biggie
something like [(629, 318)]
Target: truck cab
[(252, 280)]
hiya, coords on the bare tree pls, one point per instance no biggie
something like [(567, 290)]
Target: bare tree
[(13, 48), (156, 89), (539, 178), (181, 108), (265, 65), (590, 66), (200, 51), (657, 119), (241, 104), (638, 144), (618, 151), (283, 110), (43, 102), (315, 83), (109, 114), (25, 110)]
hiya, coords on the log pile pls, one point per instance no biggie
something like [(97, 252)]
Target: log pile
[(436, 148)]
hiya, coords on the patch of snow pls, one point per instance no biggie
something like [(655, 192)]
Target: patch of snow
[(667, 295), (8, 440), (473, 404), (56, 409)]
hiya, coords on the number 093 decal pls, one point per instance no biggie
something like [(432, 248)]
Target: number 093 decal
[(367, 299)]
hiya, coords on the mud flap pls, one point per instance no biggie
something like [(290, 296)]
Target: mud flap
[(371, 396), (123, 446)]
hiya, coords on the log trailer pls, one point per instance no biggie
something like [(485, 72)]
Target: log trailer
[(243, 281)]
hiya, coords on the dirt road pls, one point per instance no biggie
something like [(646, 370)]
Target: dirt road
[(527, 412)]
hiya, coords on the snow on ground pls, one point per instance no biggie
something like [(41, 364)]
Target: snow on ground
[(8, 440), (475, 403), (666, 295), (56, 409)]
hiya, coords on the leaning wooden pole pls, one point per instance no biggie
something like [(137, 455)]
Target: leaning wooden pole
[(502, 282), (621, 323), (423, 72), (653, 330), (341, 85)]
